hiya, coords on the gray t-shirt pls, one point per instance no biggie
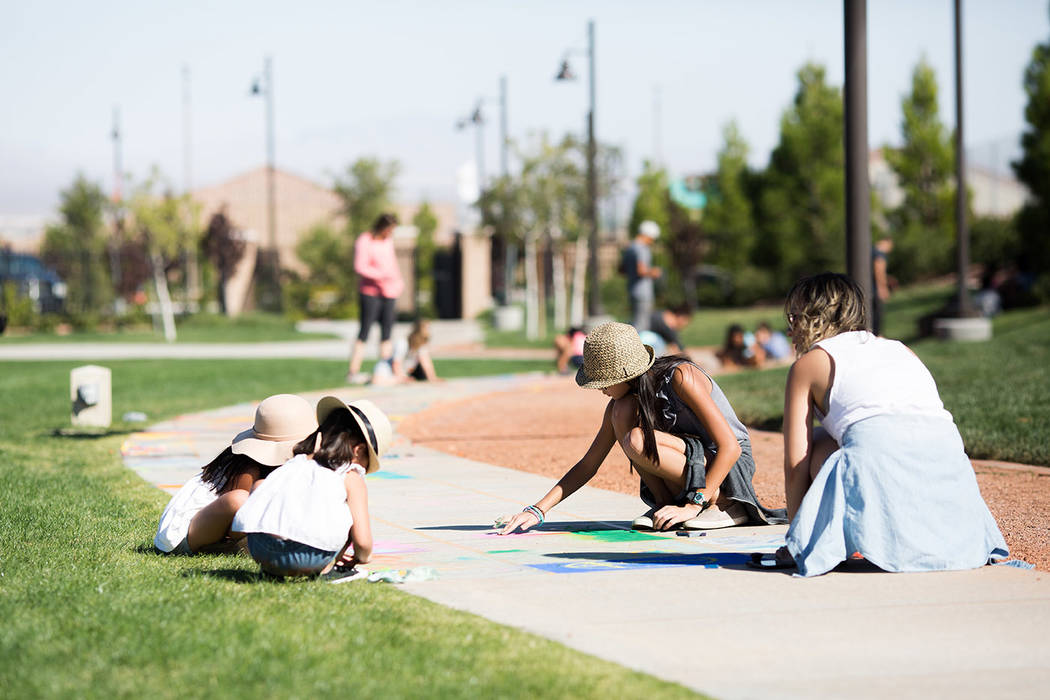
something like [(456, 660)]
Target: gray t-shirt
[(639, 287)]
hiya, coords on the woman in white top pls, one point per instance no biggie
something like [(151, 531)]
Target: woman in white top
[(886, 478), (303, 517)]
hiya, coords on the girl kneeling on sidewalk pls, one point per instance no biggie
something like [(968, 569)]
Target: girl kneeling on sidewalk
[(678, 430), (303, 517)]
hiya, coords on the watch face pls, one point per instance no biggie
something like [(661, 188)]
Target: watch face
[(698, 498)]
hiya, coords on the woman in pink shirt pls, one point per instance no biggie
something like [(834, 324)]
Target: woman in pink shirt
[(379, 286)]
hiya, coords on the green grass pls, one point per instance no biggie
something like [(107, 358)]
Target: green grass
[(89, 611), (199, 328), (998, 391)]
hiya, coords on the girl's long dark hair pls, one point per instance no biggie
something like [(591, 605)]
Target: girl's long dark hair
[(340, 433), (650, 418), (221, 471)]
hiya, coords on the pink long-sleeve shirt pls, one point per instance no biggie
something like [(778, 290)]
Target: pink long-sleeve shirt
[(376, 266)]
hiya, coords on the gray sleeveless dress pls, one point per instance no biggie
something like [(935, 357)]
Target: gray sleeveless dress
[(675, 417)]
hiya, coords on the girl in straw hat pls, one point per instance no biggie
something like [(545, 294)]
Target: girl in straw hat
[(309, 511), (198, 517), (675, 425)]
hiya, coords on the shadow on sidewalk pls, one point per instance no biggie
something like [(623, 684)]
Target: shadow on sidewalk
[(641, 560)]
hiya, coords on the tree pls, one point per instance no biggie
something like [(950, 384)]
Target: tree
[(923, 226), (728, 216), (224, 246), (426, 223), (166, 225), (1033, 169), (803, 198), (76, 247), (366, 191)]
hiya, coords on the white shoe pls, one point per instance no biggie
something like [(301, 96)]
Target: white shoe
[(643, 521), (715, 517)]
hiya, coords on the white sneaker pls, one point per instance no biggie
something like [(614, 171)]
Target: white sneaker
[(715, 517), (643, 521)]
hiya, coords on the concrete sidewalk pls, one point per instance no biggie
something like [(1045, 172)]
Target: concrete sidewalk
[(683, 609)]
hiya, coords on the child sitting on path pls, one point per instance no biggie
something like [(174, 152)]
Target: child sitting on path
[(410, 359), (887, 475), (199, 515), (678, 430), (308, 511)]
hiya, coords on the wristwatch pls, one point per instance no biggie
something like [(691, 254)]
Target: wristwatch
[(697, 498)]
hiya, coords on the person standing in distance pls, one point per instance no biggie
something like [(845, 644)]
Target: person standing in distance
[(379, 286), (640, 271)]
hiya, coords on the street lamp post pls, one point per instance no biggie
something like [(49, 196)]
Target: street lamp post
[(963, 306), (270, 261), (858, 198), (594, 302)]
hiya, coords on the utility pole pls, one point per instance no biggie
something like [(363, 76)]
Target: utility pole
[(118, 206), (268, 261), (504, 139), (192, 268), (658, 140), (963, 306), (594, 298), (858, 197)]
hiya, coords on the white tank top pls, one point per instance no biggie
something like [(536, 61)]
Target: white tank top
[(875, 376), (300, 501)]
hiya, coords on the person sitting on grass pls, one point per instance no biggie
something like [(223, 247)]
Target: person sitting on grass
[(886, 476), (773, 345), (198, 517), (738, 350), (570, 349), (678, 430), (410, 359), (663, 329), (309, 511)]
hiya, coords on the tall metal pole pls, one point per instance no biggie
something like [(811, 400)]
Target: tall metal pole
[(187, 134), (963, 307), (594, 299), (504, 139), (858, 197), (658, 139), (118, 205), (118, 167), (479, 146), (271, 165)]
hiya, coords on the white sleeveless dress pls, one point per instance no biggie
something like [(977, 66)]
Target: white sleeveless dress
[(900, 489)]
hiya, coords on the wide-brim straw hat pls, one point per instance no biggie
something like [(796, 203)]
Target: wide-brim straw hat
[(613, 353), (281, 421), (373, 422)]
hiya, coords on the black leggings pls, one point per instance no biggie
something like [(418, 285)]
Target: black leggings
[(373, 309)]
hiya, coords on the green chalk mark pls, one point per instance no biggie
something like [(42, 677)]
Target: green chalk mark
[(617, 536), (504, 551)]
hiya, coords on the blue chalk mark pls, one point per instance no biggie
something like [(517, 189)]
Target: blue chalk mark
[(388, 475), (583, 563)]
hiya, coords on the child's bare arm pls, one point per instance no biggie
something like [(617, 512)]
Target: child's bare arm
[(361, 530), (694, 388), (580, 473)]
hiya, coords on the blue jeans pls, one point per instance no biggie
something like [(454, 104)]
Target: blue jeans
[(280, 557)]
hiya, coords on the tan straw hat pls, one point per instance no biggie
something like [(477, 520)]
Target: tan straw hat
[(374, 424), (281, 421), (613, 353)]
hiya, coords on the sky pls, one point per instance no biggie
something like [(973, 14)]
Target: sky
[(391, 80)]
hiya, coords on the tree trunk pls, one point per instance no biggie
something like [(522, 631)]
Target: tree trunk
[(579, 277), (531, 298), (561, 311), (167, 313)]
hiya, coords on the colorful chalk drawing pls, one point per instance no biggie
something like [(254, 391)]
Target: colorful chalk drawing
[(597, 561), (387, 475)]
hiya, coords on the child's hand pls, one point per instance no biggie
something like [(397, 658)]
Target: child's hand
[(669, 516), (524, 520)]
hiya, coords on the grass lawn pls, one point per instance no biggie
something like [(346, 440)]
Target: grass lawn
[(998, 391), (199, 328), (89, 610)]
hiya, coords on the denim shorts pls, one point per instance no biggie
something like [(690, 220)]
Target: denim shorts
[(280, 557)]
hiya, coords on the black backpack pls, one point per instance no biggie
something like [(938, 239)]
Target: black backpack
[(628, 261)]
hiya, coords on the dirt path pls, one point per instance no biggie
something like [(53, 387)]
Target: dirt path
[(546, 428)]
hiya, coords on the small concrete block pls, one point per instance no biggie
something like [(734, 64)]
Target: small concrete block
[(90, 392), (508, 318), (969, 329)]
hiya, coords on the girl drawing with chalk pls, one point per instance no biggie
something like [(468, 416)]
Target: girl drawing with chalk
[(311, 513), (679, 432)]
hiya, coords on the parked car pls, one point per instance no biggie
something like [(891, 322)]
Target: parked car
[(33, 280)]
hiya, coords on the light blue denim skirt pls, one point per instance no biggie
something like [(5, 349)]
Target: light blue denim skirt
[(281, 557), (901, 492)]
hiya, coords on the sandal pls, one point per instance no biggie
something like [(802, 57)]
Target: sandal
[(780, 559)]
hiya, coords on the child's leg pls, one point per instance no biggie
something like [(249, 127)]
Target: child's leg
[(665, 479), (213, 521)]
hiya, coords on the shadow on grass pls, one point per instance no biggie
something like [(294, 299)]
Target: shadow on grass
[(87, 434), (235, 576)]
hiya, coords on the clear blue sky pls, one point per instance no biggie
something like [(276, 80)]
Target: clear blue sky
[(390, 79)]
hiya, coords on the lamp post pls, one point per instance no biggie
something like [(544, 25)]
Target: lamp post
[(269, 258), (476, 119), (963, 305), (858, 197), (594, 303)]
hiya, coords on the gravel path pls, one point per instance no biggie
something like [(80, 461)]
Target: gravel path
[(546, 429)]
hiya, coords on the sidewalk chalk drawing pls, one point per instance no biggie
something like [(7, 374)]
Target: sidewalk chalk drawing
[(585, 562)]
